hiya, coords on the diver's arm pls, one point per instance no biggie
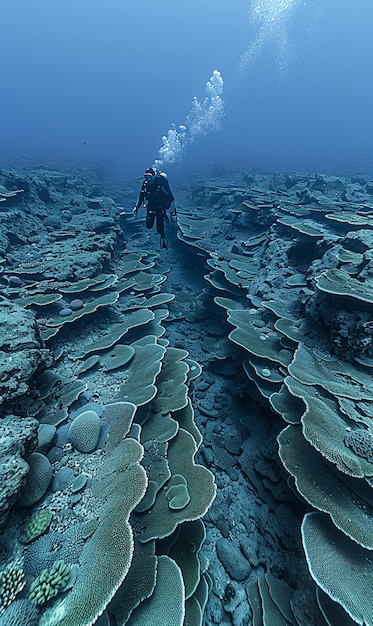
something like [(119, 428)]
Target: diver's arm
[(140, 200)]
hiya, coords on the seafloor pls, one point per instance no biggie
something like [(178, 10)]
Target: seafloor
[(186, 433)]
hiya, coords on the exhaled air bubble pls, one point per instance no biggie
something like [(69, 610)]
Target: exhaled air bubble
[(203, 118)]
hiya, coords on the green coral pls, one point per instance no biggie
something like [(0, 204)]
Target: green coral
[(12, 581), (36, 525), (49, 583)]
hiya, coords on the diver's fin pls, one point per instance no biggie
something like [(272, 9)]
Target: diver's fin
[(163, 242)]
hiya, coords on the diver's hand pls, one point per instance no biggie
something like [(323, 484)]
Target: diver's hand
[(135, 209)]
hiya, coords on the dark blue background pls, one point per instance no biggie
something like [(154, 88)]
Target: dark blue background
[(105, 79)]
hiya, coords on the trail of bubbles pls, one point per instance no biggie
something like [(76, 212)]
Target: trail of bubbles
[(271, 18), (203, 118)]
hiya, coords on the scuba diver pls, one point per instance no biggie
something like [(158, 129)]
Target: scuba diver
[(157, 197)]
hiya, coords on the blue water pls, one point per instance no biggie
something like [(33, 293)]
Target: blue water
[(104, 81)]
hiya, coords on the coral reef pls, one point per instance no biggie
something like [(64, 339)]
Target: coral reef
[(189, 430)]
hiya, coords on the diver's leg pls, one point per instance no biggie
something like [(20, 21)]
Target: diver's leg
[(160, 228), (160, 223), (150, 217)]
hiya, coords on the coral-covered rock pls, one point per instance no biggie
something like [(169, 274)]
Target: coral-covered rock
[(20, 350), (18, 436)]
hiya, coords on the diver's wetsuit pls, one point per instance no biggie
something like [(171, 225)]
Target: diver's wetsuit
[(156, 192)]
